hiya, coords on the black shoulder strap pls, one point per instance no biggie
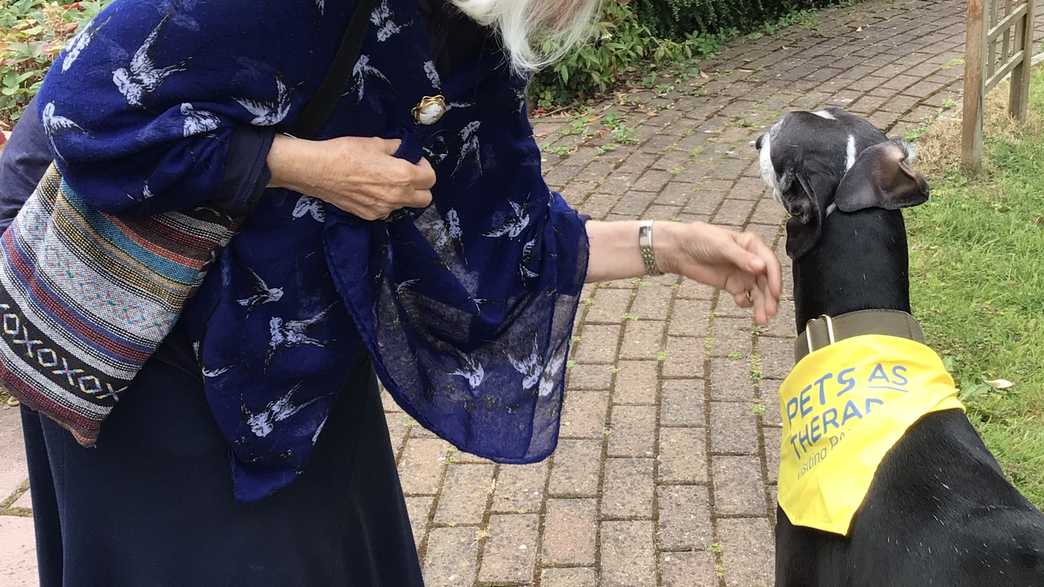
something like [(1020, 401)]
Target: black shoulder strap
[(316, 112)]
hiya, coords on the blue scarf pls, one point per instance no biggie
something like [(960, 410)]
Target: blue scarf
[(465, 308)]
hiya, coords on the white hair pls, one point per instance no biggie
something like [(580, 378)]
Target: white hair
[(527, 27)]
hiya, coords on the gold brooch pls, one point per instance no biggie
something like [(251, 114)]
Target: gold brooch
[(430, 110)]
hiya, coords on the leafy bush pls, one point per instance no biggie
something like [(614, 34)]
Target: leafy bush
[(32, 32), (619, 42), (647, 33), (680, 18)]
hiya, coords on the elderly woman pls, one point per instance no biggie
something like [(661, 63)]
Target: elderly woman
[(415, 242)]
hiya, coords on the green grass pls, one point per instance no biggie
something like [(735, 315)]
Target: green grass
[(977, 281)]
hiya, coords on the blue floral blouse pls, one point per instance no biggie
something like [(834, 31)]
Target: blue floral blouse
[(465, 308)]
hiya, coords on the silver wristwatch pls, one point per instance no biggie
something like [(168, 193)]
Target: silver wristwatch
[(645, 245)]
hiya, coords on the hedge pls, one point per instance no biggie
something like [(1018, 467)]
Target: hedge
[(643, 33)]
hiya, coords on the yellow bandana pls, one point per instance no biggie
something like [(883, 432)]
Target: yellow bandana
[(843, 407)]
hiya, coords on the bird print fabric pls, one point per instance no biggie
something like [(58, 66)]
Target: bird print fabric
[(464, 309)]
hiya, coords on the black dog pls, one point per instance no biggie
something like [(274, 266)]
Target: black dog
[(940, 511)]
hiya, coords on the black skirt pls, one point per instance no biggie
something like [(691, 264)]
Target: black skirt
[(152, 504)]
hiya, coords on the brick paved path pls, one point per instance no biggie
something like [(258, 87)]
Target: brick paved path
[(666, 468)]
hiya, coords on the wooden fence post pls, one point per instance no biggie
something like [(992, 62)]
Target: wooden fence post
[(974, 89), (1018, 103)]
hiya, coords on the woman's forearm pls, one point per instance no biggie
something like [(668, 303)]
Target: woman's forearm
[(614, 251)]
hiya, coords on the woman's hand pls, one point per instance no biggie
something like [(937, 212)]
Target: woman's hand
[(358, 175), (736, 262)]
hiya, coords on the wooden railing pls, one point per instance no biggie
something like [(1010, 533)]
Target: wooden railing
[(999, 42)]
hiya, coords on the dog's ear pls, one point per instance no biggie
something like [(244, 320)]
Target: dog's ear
[(881, 177), (809, 193)]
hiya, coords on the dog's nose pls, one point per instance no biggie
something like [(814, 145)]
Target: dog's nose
[(757, 143)]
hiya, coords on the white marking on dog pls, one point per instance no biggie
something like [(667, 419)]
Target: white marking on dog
[(824, 114), (768, 172), (850, 153)]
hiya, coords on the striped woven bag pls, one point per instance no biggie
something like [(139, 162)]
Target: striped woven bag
[(86, 298)]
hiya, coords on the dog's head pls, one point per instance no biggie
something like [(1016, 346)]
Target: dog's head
[(818, 161)]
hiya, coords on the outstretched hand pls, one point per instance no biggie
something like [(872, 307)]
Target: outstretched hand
[(739, 263)]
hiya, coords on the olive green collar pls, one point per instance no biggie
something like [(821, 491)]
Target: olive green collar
[(825, 330)]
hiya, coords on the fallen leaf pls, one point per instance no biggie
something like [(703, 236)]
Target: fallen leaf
[(1000, 384)]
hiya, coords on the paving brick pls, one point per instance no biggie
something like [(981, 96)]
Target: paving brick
[(642, 339), (770, 399), (633, 431), (676, 193), (681, 402), (689, 318), (651, 301), (464, 494), (733, 212), (584, 415), (777, 357), (682, 455), (569, 533), (752, 188), (705, 201), (733, 428), (19, 551), (746, 546), (451, 557), (609, 305), (13, 469), (520, 488), (627, 491), (419, 508), (783, 325), (695, 290), (684, 357), (466, 458), (589, 376), (687, 569), (598, 205), (636, 382), (511, 549), (597, 344), (420, 469), (628, 553), (398, 428), (634, 203), (730, 380), (771, 437), (684, 517), (25, 501), (576, 468), (730, 337), (569, 577), (738, 488)]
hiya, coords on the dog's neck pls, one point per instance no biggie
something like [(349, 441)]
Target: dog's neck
[(860, 262)]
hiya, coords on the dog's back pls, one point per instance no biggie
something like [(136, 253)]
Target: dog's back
[(939, 512)]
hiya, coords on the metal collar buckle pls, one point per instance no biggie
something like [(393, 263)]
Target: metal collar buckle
[(808, 331)]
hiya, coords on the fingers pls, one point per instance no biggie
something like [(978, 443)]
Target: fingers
[(743, 299), (735, 250), (387, 146), (765, 303), (423, 175), (759, 249), (415, 190)]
